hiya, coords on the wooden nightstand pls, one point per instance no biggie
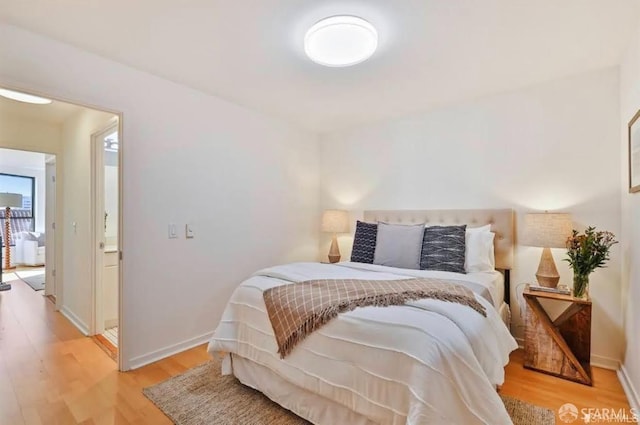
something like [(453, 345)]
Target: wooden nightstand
[(561, 347)]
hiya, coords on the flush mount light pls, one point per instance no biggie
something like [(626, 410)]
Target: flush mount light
[(23, 97), (341, 41)]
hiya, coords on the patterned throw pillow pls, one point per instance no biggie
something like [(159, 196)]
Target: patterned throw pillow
[(443, 248), (364, 242)]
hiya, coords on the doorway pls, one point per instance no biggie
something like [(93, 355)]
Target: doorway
[(26, 240), (106, 209), (64, 131)]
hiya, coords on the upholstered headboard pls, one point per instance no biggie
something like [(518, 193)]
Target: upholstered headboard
[(502, 223)]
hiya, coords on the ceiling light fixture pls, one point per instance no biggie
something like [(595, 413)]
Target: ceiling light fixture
[(23, 97), (340, 41)]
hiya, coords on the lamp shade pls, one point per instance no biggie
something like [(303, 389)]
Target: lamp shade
[(335, 221), (547, 230), (12, 200)]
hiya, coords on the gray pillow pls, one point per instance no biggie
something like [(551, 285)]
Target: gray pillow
[(399, 245)]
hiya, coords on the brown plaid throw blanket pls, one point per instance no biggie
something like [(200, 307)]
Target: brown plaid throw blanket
[(297, 309)]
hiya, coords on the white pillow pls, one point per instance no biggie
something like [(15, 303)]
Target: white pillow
[(485, 228), (479, 253)]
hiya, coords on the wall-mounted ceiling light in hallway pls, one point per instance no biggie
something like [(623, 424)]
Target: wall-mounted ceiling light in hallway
[(23, 97)]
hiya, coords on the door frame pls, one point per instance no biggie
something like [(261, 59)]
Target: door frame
[(57, 242), (34, 89), (51, 231), (97, 225)]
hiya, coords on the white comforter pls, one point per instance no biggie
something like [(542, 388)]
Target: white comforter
[(426, 362)]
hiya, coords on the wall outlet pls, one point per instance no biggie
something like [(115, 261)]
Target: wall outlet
[(173, 231), (188, 229)]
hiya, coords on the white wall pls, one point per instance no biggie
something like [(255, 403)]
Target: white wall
[(553, 146), (629, 105), (29, 164), (25, 133), (76, 217), (248, 183)]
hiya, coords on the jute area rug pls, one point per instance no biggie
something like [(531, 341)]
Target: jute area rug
[(201, 396)]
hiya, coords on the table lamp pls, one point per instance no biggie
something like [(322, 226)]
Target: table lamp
[(335, 221), (547, 230), (8, 201)]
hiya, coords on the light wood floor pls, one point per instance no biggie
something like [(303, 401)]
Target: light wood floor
[(50, 374)]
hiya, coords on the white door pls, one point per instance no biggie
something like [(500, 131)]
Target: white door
[(50, 226), (106, 209)]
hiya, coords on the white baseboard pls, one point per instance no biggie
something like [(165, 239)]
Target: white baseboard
[(605, 362), (170, 350), (629, 389), (596, 360), (73, 318)]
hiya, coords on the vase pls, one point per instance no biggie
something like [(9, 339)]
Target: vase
[(581, 285)]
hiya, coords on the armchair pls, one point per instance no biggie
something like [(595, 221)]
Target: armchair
[(30, 248)]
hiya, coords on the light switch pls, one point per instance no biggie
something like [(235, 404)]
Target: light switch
[(173, 231), (188, 231)]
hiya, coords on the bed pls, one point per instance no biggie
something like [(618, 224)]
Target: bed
[(424, 362)]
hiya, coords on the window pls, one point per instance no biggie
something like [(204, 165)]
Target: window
[(22, 219)]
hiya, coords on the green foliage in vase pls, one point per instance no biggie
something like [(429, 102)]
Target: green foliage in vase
[(589, 251)]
